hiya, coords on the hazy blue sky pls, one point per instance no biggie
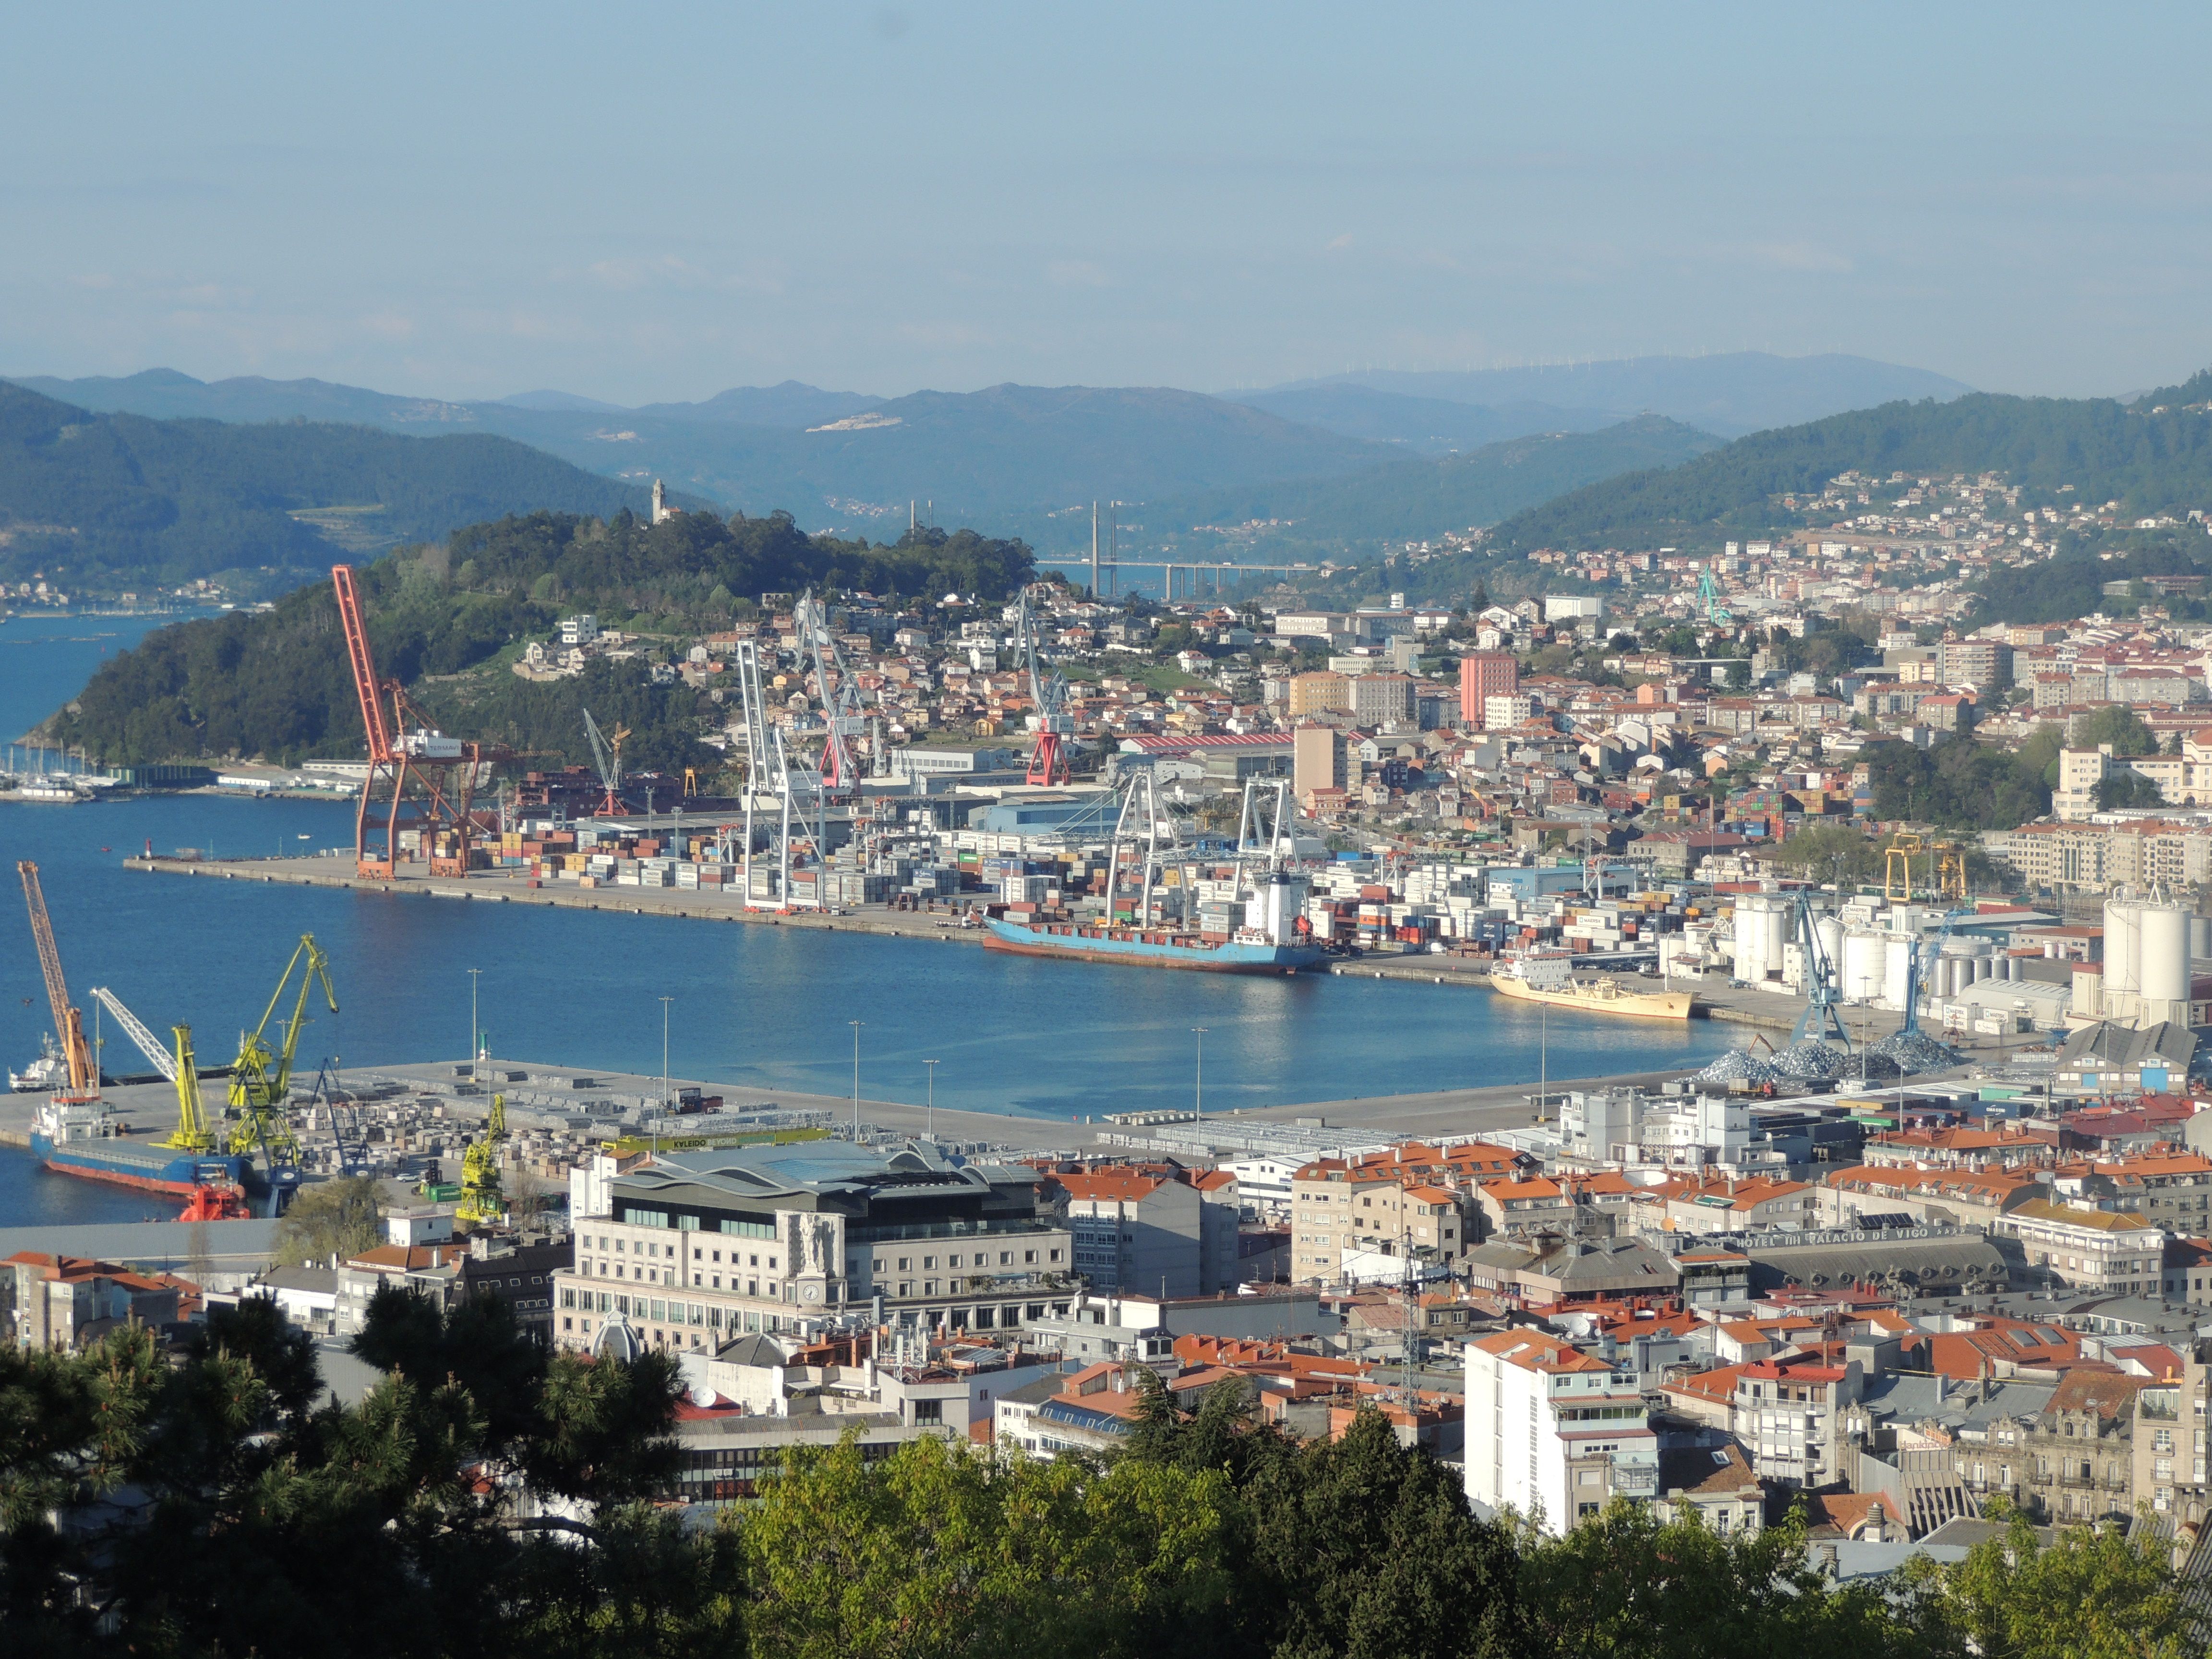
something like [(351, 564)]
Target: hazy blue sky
[(653, 202)]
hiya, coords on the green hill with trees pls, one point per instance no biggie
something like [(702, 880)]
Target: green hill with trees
[(447, 618), (2153, 455), (101, 504)]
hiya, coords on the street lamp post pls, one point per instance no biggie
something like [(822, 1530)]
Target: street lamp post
[(929, 1104), (664, 1001), (1199, 1095), (856, 1025)]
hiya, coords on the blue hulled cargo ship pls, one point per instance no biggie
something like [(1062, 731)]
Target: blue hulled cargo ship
[(1142, 948), (75, 1138)]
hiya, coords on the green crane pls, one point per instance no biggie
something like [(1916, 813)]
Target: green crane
[(261, 1077)]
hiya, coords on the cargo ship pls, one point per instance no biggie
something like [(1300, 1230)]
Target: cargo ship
[(79, 1139), (1602, 994), (1247, 951)]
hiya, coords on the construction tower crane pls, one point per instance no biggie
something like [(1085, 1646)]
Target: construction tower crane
[(69, 1024), (482, 1198), (606, 751), (261, 1078), (1051, 721), (427, 777)]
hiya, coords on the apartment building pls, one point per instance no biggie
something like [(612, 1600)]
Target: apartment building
[(695, 1248), (2101, 1252), (1339, 1209), (1483, 674), (1381, 699), (1553, 1432), (1788, 1415), (1134, 1231), (2079, 1456), (1322, 692)]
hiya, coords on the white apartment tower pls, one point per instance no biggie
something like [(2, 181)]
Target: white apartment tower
[(1551, 1433)]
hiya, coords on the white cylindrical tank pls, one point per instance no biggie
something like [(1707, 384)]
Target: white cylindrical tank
[(2163, 937), (1863, 965), (1751, 961), (1779, 915), (1897, 968), (2200, 937), (1830, 933), (2123, 949)]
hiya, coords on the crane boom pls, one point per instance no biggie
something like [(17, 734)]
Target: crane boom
[(157, 1054), (366, 684), (255, 1083), (69, 1024)]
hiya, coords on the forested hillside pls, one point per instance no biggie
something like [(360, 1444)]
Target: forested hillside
[(110, 502), (275, 685), (2153, 456)]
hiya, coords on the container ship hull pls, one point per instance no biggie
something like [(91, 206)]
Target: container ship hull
[(1604, 997), (1182, 951), (148, 1169)]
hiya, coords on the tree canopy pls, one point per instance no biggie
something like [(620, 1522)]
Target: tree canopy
[(276, 684)]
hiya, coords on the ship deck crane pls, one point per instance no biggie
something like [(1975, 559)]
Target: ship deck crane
[(69, 1024), (261, 1078), (483, 1199)]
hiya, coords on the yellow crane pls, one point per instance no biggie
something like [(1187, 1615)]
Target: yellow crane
[(1897, 866), (1951, 872), (482, 1198), (261, 1077), (192, 1132)]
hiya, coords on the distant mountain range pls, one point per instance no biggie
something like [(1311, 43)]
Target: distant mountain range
[(1729, 392), (1358, 515), (106, 502), (850, 461)]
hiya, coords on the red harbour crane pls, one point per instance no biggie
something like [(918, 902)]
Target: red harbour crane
[(418, 778)]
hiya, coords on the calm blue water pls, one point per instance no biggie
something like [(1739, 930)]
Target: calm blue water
[(762, 1006)]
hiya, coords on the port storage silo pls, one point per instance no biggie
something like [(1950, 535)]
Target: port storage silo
[(2122, 950), (1830, 932), (2162, 970), (1863, 965), (1896, 951), (1755, 957)]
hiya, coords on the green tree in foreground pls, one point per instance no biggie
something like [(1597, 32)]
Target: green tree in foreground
[(332, 1218), (2089, 1594)]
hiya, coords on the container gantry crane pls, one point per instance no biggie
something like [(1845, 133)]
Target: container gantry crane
[(261, 1077), (69, 1024), (424, 777)]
